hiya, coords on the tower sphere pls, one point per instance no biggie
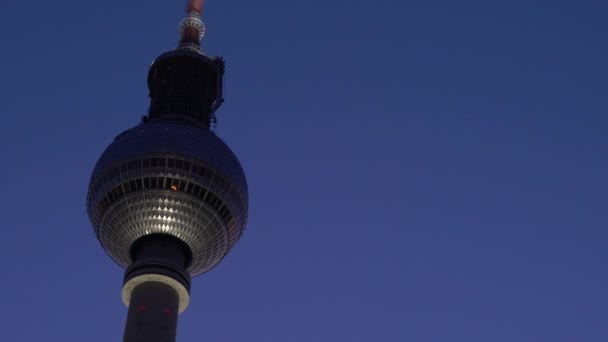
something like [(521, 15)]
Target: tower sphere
[(169, 178)]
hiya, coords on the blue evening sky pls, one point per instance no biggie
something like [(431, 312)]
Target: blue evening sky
[(424, 170)]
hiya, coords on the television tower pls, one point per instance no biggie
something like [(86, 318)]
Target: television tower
[(168, 199)]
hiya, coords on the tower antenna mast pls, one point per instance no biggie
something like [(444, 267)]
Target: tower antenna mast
[(192, 29)]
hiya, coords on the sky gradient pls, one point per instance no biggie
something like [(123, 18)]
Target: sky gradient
[(423, 171)]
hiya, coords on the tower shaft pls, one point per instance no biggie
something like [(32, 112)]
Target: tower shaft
[(152, 315), (156, 288)]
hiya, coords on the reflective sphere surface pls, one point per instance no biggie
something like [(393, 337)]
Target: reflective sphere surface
[(169, 178)]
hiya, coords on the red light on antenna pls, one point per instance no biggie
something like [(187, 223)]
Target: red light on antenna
[(142, 308), (168, 312)]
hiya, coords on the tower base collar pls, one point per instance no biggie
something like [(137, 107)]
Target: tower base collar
[(184, 296)]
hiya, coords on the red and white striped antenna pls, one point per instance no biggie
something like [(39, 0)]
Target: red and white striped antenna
[(192, 29)]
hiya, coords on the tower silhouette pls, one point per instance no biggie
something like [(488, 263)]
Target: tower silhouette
[(168, 199)]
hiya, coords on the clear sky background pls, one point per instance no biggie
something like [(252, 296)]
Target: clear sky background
[(423, 170)]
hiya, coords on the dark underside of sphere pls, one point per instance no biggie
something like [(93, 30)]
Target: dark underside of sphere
[(169, 178)]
